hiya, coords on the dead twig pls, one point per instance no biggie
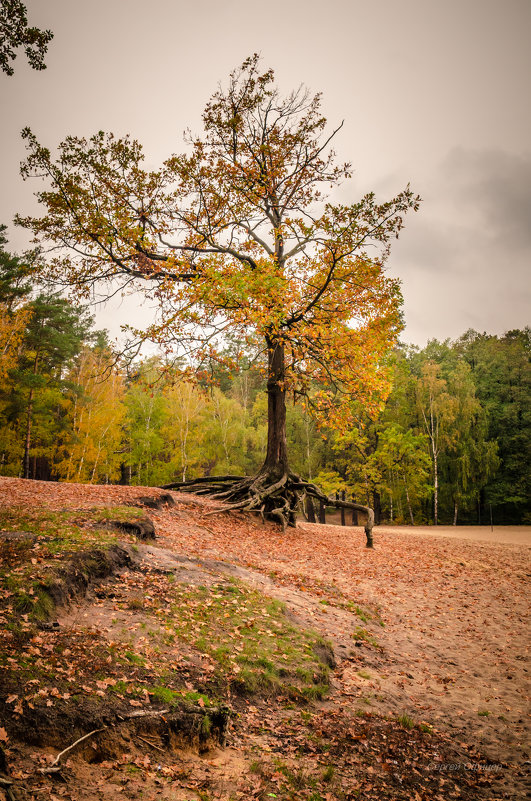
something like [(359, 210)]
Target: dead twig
[(148, 742), (7, 785), (141, 713), (55, 767)]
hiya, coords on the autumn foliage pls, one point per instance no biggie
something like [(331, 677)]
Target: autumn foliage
[(237, 235)]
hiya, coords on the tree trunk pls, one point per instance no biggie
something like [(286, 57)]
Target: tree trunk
[(276, 461), (27, 443), (409, 502), (435, 490), (455, 513), (125, 474), (343, 521), (355, 518), (377, 506)]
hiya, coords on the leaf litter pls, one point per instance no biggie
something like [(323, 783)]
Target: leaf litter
[(228, 660)]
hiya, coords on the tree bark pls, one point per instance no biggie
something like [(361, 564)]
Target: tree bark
[(343, 521), (27, 443), (377, 506), (276, 461), (435, 490), (409, 502), (310, 510)]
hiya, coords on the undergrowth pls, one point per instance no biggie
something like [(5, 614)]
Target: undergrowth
[(40, 541), (250, 639)]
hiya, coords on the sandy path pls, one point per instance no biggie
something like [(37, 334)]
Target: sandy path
[(456, 638), (515, 535)]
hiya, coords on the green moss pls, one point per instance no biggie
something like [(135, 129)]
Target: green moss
[(177, 697), (249, 637), (363, 634), (119, 687), (134, 659), (194, 697), (43, 607), (23, 603)]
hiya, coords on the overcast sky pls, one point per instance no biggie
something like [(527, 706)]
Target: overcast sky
[(432, 92)]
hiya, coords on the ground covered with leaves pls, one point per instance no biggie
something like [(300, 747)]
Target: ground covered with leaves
[(225, 659)]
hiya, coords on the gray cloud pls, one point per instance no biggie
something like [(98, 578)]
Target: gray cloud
[(497, 185), (431, 93), (464, 261)]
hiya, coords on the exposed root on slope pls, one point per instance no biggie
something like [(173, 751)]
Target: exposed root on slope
[(274, 498)]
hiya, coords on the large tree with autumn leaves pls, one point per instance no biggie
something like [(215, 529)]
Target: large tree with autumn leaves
[(237, 235)]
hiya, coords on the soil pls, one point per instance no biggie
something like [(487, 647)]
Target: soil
[(430, 679)]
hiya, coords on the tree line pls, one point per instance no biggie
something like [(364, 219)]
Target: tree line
[(448, 446)]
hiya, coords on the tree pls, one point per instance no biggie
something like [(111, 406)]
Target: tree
[(451, 415), (471, 458), (54, 333), (13, 317), (402, 459), (438, 410), (501, 369), (237, 235), (15, 32), (90, 450), (184, 406), (146, 412)]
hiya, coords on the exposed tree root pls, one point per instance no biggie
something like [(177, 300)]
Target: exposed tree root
[(274, 498)]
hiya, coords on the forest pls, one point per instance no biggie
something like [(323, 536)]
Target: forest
[(448, 446)]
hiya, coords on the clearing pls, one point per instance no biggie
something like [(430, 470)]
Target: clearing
[(227, 660)]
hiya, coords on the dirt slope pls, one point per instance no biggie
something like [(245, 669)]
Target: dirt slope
[(426, 689)]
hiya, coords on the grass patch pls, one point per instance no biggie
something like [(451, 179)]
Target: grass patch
[(362, 634), (424, 727), (175, 698), (30, 560), (406, 722), (60, 533), (250, 639), (134, 659), (364, 616)]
